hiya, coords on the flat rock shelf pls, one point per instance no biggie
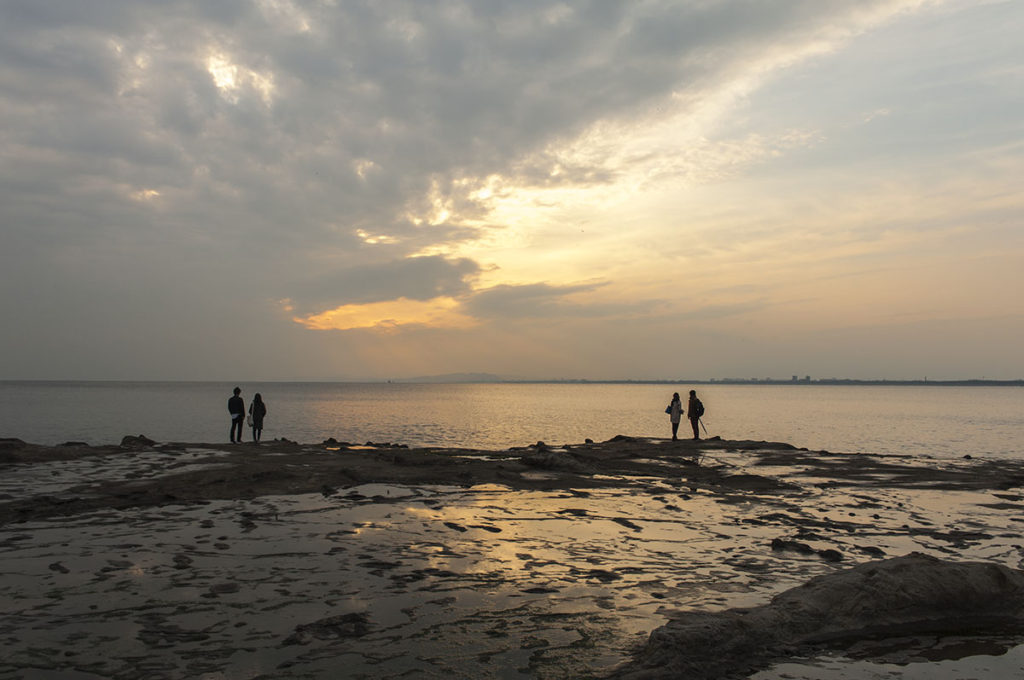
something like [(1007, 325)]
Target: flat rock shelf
[(168, 560)]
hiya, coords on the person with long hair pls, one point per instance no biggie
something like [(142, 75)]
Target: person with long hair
[(257, 411), (675, 412)]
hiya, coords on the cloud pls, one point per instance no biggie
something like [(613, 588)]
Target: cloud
[(390, 316), (181, 165), (721, 311), (414, 278), (542, 300)]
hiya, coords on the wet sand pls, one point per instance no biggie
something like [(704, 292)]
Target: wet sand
[(167, 560)]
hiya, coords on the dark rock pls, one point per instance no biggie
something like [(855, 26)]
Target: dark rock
[(224, 588), (139, 442), (533, 642), (871, 550), (555, 460), (626, 523), (905, 596), (375, 566), (331, 628), (830, 555), (786, 544), (603, 575)]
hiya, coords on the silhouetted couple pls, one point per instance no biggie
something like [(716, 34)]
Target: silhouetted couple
[(694, 410), (257, 411)]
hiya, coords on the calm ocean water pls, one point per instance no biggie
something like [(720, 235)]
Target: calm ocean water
[(939, 421)]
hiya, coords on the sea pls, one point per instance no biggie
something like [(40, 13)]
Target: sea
[(920, 420)]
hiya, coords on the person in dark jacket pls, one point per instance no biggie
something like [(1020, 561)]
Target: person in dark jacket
[(257, 410), (694, 410), (236, 407)]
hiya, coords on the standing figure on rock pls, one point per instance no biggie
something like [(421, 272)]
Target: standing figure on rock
[(675, 412), (694, 410), (236, 407), (257, 410)]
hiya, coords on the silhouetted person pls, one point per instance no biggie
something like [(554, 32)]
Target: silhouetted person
[(236, 407), (257, 410), (694, 410), (675, 412)]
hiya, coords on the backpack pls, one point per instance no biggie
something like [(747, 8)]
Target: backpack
[(699, 408)]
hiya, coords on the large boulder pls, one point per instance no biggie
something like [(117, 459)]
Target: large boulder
[(901, 596), (139, 442)]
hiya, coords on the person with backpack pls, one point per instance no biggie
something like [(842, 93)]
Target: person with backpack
[(694, 410)]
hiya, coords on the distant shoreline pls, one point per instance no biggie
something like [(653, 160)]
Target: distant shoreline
[(772, 381)]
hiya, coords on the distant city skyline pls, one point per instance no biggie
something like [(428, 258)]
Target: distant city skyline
[(604, 191)]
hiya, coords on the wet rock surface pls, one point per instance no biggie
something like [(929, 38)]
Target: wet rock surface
[(892, 598), (289, 560)]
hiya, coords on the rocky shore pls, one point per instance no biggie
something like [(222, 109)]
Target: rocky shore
[(287, 559)]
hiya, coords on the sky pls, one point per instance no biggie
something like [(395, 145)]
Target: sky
[(378, 189)]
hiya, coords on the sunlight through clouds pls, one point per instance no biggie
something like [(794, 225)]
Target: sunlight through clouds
[(230, 79), (375, 239), (485, 184), (676, 145), (146, 194), (390, 316)]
